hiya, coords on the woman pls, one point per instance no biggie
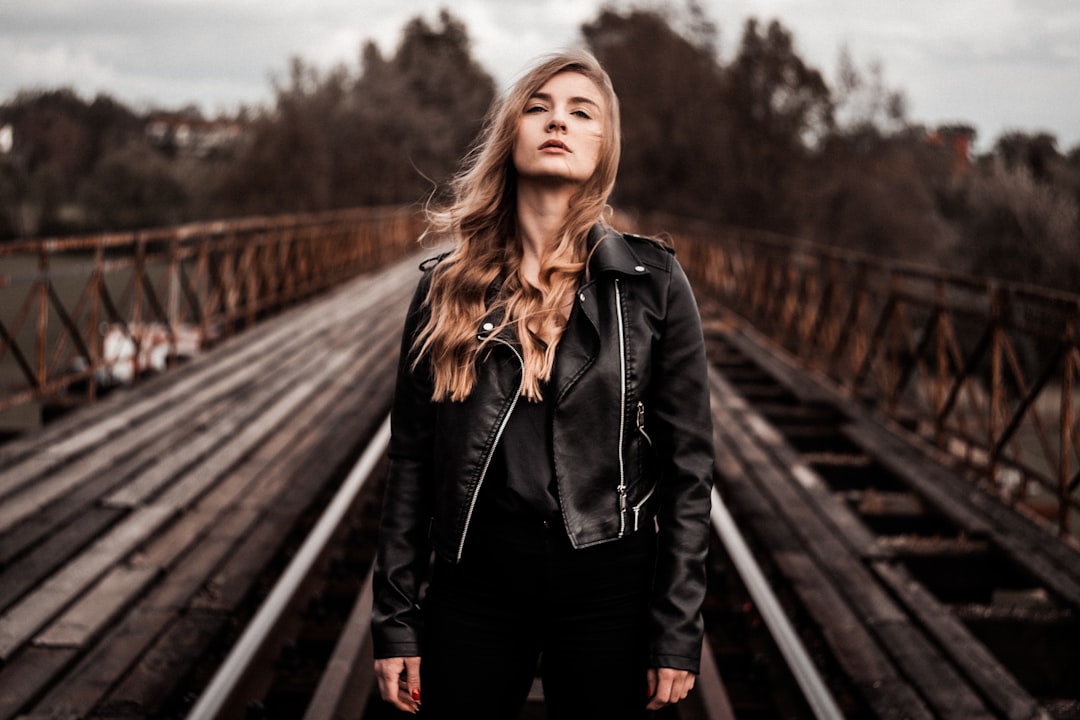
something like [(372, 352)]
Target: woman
[(551, 436)]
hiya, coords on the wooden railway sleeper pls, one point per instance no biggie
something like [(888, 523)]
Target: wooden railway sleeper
[(959, 572)]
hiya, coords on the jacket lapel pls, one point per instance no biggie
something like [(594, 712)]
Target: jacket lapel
[(580, 343)]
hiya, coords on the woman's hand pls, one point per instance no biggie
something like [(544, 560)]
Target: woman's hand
[(667, 686), (399, 682)]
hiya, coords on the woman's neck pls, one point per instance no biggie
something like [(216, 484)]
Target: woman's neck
[(541, 214)]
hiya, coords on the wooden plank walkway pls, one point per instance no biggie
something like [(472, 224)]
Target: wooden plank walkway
[(132, 529)]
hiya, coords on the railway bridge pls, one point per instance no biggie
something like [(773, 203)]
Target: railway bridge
[(189, 533)]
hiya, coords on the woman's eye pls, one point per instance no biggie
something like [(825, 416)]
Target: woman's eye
[(582, 114), (534, 109)]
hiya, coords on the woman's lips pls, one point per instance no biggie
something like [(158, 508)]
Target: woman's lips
[(555, 144)]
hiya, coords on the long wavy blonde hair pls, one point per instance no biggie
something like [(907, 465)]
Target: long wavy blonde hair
[(481, 219)]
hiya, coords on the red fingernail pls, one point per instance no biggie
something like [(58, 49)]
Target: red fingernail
[(416, 694)]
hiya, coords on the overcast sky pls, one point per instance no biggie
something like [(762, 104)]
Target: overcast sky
[(995, 64)]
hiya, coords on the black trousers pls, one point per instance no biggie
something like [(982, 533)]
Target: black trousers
[(521, 596)]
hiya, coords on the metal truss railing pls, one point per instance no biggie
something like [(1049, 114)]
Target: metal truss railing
[(77, 312), (985, 369)]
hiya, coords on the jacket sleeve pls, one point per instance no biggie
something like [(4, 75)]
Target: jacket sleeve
[(401, 564), (683, 423)]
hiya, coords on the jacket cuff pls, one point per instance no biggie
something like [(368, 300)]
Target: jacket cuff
[(400, 649), (676, 662)]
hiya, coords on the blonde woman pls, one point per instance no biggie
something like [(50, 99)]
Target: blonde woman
[(551, 441)]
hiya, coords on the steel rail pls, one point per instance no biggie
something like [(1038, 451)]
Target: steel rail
[(817, 695), (349, 673), (232, 673), (229, 678)]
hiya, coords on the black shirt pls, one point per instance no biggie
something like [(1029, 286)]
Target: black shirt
[(521, 479)]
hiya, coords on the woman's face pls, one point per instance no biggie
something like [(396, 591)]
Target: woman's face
[(560, 131)]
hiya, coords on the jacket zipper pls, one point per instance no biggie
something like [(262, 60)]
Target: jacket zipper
[(637, 508), (641, 429), (491, 451), (641, 422), (622, 410)]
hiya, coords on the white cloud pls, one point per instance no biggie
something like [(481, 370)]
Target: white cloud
[(996, 64), (58, 64)]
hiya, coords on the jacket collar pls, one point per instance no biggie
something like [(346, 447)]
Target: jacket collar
[(611, 253)]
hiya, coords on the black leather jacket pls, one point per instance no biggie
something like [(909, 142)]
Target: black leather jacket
[(632, 440)]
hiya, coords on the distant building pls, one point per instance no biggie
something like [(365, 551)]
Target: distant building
[(192, 135), (958, 139), (7, 138)]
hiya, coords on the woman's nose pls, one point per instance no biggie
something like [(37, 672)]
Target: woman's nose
[(557, 122)]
